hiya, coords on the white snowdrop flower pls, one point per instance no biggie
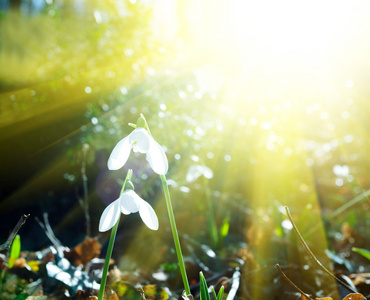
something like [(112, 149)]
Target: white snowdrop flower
[(140, 141), (129, 202)]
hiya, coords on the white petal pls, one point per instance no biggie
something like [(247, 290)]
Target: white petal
[(157, 158), (148, 215), (141, 138), (120, 154), (130, 202), (109, 216)]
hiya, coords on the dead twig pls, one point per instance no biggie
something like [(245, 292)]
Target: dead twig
[(85, 201), (49, 231), (8, 243), (291, 282), (314, 257)]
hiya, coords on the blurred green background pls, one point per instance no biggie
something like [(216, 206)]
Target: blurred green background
[(271, 96)]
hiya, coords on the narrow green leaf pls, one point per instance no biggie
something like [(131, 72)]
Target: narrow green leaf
[(15, 250), (214, 293), (220, 293), (363, 252), (204, 295), (224, 230)]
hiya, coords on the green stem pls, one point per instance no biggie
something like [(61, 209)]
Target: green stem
[(107, 260), (212, 227), (175, 234), (111, 243)]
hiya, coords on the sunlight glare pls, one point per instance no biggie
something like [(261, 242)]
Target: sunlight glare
[(290, 25)]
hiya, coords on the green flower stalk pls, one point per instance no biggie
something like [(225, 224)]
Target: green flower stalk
[(175, 234), (141, 140)]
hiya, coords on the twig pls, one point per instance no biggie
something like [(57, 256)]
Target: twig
[(49, 231), (8, 243), (313, 256), (291, 282), (85, 204), (142, 293)]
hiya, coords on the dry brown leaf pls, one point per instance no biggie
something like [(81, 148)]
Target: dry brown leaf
[(354, 296), (113, 296), (20, 263), (347, 233), (359, 278), (81, 295), (84, 252)]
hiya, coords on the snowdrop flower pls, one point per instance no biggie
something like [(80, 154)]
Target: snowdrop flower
[(140, 141), (128, 202)]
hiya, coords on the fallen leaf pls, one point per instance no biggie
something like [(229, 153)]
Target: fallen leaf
[(125, 290), (155, 292), (354, 296), (84, 252), (360, 278)]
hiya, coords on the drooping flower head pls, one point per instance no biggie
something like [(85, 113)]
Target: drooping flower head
[(129, 202), (141, 141)]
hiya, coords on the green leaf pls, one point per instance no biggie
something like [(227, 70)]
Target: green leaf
[(214, 293), (126, 290), (363, 252), (15, 250), (224, 230), (169, 267), (153, 291), (21, 296), (220, 293), (204, 295)]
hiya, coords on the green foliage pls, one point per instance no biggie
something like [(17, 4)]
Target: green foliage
[(281, 148), (204, 294), (15, 250), (169, 267), (363, 252), (224, 229), (22, 296), (126, 290), (220, 293)]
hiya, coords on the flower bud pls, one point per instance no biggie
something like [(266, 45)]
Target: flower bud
[(129, 174), (141, 122)]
